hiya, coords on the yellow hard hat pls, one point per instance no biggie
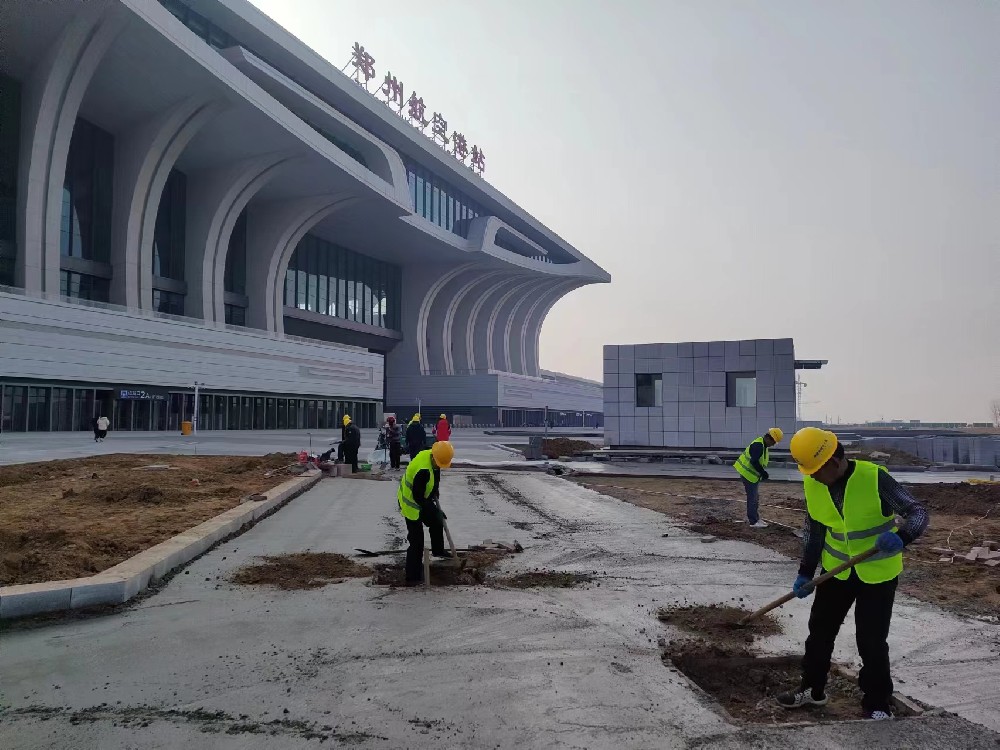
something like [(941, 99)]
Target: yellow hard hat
[(416, 417), (347, 419), (443, 452), (812, 447), (443, 416), (776, 434)]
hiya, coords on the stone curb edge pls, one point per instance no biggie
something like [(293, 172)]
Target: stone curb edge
[(125, 580)]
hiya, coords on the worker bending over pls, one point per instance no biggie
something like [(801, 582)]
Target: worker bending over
[(419, 489), (752, 466), (852, 507)]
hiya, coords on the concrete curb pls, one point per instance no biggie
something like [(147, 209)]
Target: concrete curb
[(125, 580)]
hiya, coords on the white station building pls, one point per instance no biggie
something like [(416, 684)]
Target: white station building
[(190, 195)]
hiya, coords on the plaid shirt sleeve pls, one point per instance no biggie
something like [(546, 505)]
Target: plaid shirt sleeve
[(897, 500)]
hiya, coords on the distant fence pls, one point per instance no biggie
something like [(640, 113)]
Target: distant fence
[(970, 450)]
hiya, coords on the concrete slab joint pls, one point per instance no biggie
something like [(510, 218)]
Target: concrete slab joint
[(125, 580)]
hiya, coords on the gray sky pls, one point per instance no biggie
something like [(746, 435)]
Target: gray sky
[(826, 171)]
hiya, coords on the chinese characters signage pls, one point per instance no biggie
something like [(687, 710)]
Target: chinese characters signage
[(412, 109)]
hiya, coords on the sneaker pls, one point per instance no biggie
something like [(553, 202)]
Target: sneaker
[(800, 698), (879, 715), (759, 525)]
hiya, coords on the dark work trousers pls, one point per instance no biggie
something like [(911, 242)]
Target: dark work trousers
[(414, 451), (351, 457), (753, 500), (872, 614), (395, 451), (415, 552)]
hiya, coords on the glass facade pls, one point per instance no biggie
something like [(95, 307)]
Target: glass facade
[(236, 315), (88, 194), (200, 25), (741, 389), (331, 280), (168, 302), (171, 224), (438, 202), (236, 257), (84, 286), (44, 408), (10, 125)]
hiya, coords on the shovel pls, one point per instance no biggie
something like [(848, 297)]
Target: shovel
[(814, 582)]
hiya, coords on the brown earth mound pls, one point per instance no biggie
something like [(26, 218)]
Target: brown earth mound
[(896, 458), (746, 685), (959, 499), (300, 570), (719, 623), (474, 566), (556, 447)]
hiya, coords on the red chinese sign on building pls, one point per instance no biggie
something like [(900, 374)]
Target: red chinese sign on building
[(413, 109)]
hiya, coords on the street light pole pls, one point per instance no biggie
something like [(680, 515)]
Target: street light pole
[(194, 414)]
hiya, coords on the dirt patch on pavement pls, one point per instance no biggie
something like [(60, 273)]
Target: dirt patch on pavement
[(962, 515), (471, 571), (556, 447), (300, 570), (720, 623), (746, 685), (541, 579), (77, 517)]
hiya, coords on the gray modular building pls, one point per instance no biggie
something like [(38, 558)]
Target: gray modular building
[(702, 394), (189, 194)]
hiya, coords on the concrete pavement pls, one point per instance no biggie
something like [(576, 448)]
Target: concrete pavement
[(208, 664)]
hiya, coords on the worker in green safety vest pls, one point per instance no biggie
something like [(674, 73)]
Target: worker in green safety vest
[(852, 507), (752, 467), (418, 493)]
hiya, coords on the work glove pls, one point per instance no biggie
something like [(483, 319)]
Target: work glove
[(890, 542), (802, 586), (764, 475)]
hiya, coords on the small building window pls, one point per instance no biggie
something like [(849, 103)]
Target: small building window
[(741, 389), (649, 390)]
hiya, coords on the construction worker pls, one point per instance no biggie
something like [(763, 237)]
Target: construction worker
[(351, 443), (852, 507), (752, 467), (443, 430), (416, 437), (419, 489)]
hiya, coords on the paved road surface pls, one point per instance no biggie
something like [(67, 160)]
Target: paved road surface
[(206, 664)]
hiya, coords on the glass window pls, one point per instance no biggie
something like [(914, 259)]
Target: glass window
[(38, 409), (282, 416), (84, 286), (169, 303), (236, 315), (62, 409), (648, 390), (741, 389), (171, 225), (271, 417), (236, 257), (85, 225), (290, 287), (418, 204)]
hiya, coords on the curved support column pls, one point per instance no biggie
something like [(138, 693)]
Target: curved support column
[(439, 348), (456, 316), (477, 342), (423, 315), (532, 326), (215, 199), (273, 232), (497, 358), (143, 160), (50, 104), (513, 362)]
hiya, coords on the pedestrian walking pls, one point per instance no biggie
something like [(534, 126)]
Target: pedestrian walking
[(752, 467), (102, 428), (442, 431), (416, 437), (394, 435), (352, 444), (852, 507), (96, 429)]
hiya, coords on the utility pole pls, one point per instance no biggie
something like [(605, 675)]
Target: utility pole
[(194, 415), (546, 423)]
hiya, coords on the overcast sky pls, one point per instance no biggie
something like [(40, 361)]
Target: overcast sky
[(828, 171)]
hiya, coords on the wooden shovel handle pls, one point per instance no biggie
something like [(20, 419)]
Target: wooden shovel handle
[(814, 582)]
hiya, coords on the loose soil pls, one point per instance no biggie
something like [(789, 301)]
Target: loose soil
[(77, 517), (968, 513), (444, 572), (556, 447), (746, 685), (896, 457), (719, 623), (541, 579), (300, 570)]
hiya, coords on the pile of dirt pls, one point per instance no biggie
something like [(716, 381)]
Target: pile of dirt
[(960, 498), (746, 685), (472, 571), (719, 623), (556, 447), (300, 570), (541, 579), (77, 517), (889, 457), (776, 537)]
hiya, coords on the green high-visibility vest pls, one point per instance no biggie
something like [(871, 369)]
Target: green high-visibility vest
[(408, 506), (857, 529), (744, 466)]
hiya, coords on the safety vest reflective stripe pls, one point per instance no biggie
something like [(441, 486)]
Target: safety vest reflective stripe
[(404, 499), (844, 558), (409, 506), (873, 531)]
